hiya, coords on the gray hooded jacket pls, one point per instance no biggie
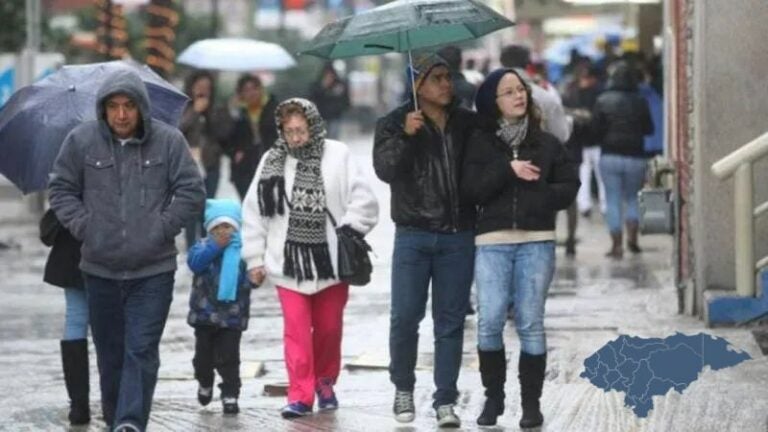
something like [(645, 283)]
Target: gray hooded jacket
[(126, 202)]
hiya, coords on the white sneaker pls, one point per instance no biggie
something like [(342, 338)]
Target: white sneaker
[(446, 418)]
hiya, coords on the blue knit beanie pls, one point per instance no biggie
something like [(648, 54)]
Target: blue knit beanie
[(218, 211), (485, 98)]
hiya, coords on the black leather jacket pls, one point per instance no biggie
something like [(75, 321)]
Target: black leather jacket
[(424, 171), (505, 201)]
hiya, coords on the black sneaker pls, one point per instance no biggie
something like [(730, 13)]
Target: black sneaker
[(204, 395), (404, 409), (230, 405)]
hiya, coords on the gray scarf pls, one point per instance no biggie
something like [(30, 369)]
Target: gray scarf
[(306, 241), (513, 134)]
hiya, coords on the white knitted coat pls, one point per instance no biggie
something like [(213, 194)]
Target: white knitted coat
[(348, 196)]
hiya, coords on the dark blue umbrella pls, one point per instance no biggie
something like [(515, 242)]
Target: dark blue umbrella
[(37, 118)]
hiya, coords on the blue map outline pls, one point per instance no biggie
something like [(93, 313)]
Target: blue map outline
[(643, 368)]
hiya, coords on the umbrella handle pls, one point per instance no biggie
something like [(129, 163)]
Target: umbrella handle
[(413, 81)]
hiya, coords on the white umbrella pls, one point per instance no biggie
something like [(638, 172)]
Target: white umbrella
[(236, 54)]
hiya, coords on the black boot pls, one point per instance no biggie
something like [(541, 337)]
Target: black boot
[(74, 359), (531, 374), (493, 372), (633, 229), (617, 250)]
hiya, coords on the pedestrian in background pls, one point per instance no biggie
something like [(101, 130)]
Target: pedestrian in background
[(620, 120), (331, 95), (419, 153), (219, 303), (204, 126), (125, 184), (462, 89), (519, 177), (579, 101), (61, 270), (289, 239), (254, 131)]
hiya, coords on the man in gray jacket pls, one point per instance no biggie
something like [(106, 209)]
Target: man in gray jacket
[(125, 185)]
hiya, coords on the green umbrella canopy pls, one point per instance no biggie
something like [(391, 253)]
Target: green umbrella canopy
[(406, 25)]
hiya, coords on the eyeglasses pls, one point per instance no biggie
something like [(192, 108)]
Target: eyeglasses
[(511, 92), (299, 133)]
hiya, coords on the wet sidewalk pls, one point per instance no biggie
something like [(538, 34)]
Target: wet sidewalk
[(592, 301)]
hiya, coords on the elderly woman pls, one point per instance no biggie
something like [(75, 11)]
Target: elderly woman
[(519, 177), (289, 239)]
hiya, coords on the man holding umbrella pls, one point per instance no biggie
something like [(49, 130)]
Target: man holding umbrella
[(125, 185), (419, 154)]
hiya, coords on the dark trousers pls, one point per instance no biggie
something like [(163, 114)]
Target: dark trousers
[(447, 261), (219, 349), (127, 320), (211, 181), (194, 230)]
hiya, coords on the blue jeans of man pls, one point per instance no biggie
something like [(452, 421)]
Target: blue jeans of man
[(127, 321), (447, 261), (623, 177), (519, 273)]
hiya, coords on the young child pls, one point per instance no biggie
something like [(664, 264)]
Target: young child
[(219, 303)]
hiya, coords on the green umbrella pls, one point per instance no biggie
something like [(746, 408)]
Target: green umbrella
[(406, 25)]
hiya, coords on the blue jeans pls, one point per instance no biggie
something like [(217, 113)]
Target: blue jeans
[(623, 177), (447, 261), (76, 318), (519, 273), (127, 321)]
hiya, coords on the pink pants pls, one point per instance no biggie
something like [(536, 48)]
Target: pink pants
[(312, 327)]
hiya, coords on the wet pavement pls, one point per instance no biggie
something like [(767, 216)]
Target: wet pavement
[(592, 301)]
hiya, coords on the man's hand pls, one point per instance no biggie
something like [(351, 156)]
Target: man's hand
[(200, 104), (239, 157), (413, 122), (256, 275), (525, 170)]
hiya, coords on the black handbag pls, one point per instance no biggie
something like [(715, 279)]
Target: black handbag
[(354, 263)]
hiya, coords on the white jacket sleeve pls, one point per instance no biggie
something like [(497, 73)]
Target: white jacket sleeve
[(255, 226), (362, 207)]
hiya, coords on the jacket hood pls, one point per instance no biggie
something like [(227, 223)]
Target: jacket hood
[(623, 78), (125, 82)]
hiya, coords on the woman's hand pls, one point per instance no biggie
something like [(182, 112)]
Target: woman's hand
[(525, 170), (257, 274)]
